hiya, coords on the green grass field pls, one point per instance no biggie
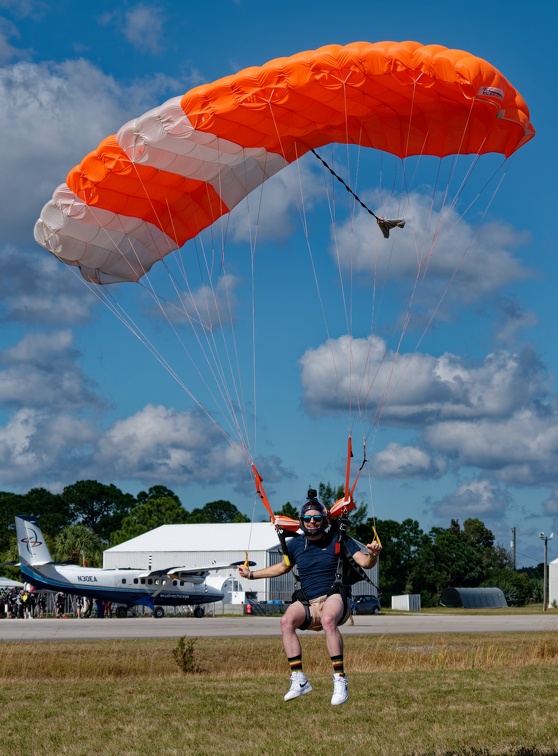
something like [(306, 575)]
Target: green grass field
[(428, 694)]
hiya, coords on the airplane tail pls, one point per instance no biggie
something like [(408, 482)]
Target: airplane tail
[(31, 544)]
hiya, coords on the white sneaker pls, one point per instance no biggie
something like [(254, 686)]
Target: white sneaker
[(299, 686), (340, 690)]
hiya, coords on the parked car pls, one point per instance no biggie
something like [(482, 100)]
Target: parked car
[(366, 605)]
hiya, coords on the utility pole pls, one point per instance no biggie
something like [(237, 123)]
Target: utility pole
[(546, 539), (513, 545)]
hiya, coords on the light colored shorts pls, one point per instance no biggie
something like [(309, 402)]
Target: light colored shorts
[(316, 609)]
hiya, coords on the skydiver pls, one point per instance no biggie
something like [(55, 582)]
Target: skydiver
[(315, 606)]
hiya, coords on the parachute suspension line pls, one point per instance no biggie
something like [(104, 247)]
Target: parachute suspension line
[(118, 311), (127, 320), (422, 266), (304, 223), (253, 248), (211, 351), (454, 273), (330, 198), (390, 389)]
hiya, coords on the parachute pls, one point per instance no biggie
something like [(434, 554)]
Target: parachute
[(173, 172), (169, 174)]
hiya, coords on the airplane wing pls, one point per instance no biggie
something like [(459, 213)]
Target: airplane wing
[(194, 571)]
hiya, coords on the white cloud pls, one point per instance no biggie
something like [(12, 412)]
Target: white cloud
[(158, 443), (478, 498), (521, 449), (52, 115), (415, 388), (141, 25), (397, 461), (41, 371), (435, 245), (8, 51), (209, 306), (37, 444), (143, 28), (37, 288), (499, 415)]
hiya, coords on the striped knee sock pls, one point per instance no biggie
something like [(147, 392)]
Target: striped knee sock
[(295, 663), (337, 662)]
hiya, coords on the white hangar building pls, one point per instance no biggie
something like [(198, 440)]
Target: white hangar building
[(191, 545), (553, 582)]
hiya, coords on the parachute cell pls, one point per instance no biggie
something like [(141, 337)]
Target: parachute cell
[(175, 170)]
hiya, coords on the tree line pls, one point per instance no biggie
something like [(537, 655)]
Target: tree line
[(88, 517)]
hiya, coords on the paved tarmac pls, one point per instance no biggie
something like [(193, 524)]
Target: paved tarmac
[(222, 627)]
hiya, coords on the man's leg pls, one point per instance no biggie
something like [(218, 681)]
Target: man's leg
[(293, 618), (290, 622), (332, 614)]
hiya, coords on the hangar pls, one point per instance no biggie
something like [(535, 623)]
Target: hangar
[(189, 545), (553, 583), (473, 598)]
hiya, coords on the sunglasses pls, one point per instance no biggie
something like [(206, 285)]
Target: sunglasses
[(316, 518)]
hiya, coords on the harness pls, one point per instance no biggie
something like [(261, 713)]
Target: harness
[(348, 571)]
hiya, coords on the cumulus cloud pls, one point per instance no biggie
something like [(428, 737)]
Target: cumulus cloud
[(37, 288), (142, 26), (512, 318), (50, 120), (156, 443), (521, 449), (499, 415), (158, 440), (478, 498), (436, 248), (41, 445), (41, 371), (180, 447), (398, 461), (209, 306), (416, 388)]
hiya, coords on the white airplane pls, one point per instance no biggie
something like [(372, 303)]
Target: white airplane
[(174, 586)]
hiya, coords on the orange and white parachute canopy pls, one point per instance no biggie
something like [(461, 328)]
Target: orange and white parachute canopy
[(175, 170)]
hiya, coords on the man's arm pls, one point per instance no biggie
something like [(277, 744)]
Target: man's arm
[(368, 560), (268, 572)]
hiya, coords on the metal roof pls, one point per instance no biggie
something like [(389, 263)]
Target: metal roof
[(9, 583), (254, 536)]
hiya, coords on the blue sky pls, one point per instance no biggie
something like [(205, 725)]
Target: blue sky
[(80, 397)]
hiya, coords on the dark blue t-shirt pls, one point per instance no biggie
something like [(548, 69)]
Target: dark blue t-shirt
[(316, 562)]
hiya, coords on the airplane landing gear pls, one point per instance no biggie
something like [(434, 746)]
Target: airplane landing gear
[(199, 611), (158, 612)]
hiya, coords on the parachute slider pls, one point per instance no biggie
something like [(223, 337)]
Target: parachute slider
[(342, 506)]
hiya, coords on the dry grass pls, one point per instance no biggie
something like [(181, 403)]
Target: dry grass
[(237, 658), (470, 694)]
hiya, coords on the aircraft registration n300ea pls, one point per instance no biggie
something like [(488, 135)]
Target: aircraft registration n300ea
[(172, 586)]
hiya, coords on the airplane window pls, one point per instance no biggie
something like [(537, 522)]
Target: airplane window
[(135, 581), (156, 582), (149, 581), (143, 581), (123, 581), (182, 582), (175, 582)]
